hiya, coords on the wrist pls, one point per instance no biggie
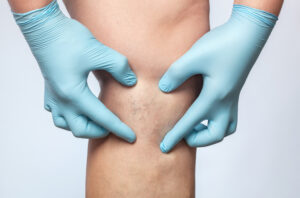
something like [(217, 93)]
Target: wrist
[(257, 16), (251, 24), (22, 6), (41, 25), (272, 6)]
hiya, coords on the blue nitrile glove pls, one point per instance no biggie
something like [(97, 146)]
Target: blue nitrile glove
[(66, 52), (224, 57)]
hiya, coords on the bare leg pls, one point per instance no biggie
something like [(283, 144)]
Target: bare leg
[(152, 34)]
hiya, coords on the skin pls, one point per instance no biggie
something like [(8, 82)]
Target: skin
[(152, 35), (22, 6), (151, 42), (272, 6)]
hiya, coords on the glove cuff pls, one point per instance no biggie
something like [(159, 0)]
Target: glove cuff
[(37, 17), (37, 24), (259, 17)]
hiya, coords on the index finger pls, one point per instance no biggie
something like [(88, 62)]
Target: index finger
[(101, 115), (195, 114)]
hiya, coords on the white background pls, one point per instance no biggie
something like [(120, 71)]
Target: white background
[(260, 160)]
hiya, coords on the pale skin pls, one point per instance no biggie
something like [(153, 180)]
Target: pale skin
[(152, 35)]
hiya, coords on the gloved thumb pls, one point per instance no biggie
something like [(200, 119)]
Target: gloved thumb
[(176, 75), (121, 70), (101, 57)]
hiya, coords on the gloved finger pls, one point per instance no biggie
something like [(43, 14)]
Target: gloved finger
[(195, 114), (94, 109), (82, 127), (214, 133), (47, 107), (233, 124), (200, 127), (101, 57), (190, 64), (58, 120), (231, 128)]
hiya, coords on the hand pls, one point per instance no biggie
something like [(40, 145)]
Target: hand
[(224, 57), (66, 52)]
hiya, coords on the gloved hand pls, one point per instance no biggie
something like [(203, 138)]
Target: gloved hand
[(224, 57), (66, 52)]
